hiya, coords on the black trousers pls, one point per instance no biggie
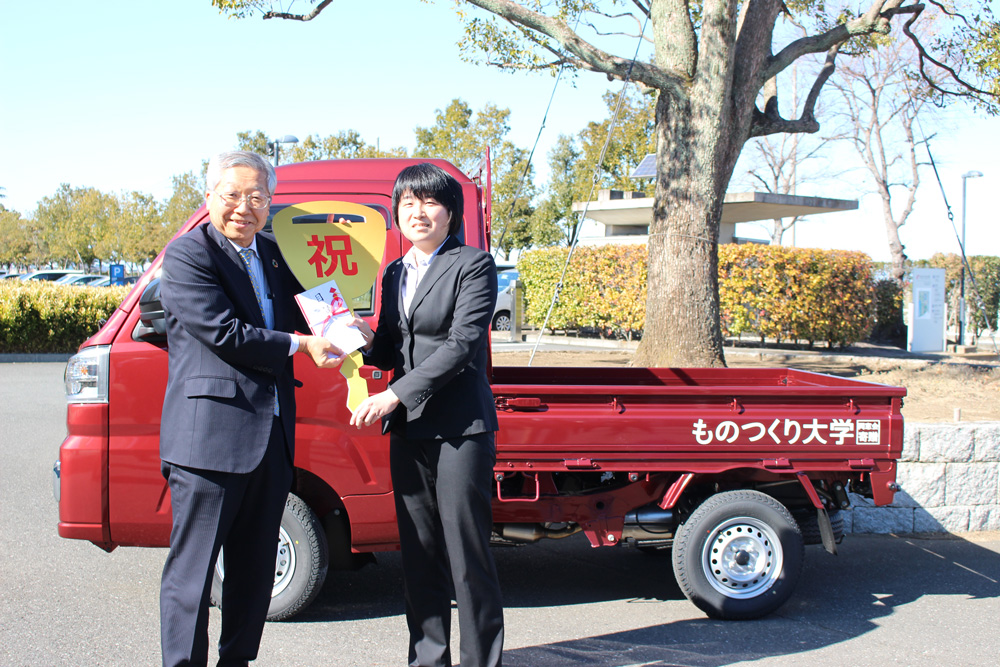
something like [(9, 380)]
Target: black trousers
[(443, 493), (241, 512)]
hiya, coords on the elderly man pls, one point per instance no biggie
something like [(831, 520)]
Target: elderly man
[(227, 434)]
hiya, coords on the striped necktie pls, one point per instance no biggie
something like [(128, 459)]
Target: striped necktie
[(245, 255)]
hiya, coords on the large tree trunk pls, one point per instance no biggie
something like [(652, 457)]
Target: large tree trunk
[(700, 131), (682, 303)]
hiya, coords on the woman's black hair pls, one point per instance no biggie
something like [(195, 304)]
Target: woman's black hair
[(428, 181)]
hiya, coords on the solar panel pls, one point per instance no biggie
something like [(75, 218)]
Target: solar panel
[(646, 168)]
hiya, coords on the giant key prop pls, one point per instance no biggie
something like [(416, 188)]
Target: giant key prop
[(343, 241)]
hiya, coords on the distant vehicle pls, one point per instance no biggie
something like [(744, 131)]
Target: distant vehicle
[(79, 280), (105, 281), (49, 274), (505, 300)]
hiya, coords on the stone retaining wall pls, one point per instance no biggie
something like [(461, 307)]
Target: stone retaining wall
[(950, 474)]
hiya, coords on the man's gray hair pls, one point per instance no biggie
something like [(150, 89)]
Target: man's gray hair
[(230, 159)]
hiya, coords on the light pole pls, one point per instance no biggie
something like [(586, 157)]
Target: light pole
[(273, 146), (961, 294)]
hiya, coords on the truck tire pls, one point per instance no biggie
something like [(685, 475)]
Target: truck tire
[(738, 556), (301, 562)]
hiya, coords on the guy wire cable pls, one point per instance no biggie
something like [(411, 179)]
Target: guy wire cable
[(980, 306), (593, 185), (527, 165)]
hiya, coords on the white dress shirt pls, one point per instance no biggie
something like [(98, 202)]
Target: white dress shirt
[(416, 264)]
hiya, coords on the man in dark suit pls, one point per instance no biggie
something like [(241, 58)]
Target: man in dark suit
[(227, 433), (433, 332)]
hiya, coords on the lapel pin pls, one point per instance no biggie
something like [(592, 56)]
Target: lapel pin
[(274, 263)]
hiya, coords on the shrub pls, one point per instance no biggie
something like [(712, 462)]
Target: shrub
[(604, 288), (769, 291), (795, 293), (889, 326), (39, 317)]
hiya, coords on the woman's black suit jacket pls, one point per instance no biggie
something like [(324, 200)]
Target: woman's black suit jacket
[(439, 355)]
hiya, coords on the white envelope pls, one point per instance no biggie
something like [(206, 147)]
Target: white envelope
[(328, 316)]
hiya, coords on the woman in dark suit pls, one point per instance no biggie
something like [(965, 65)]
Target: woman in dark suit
[(433, 332)]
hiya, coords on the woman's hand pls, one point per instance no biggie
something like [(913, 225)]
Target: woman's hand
[(374, 408), (366, 332)]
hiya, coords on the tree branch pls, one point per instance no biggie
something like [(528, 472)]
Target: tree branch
[(874, 20), (299, 17), (588, 56), (635, 18), (770, 121), (675, 37), (949, 12), (970, 90), (642, 7)]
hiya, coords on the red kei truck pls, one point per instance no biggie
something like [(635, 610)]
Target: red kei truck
[(733, 469)]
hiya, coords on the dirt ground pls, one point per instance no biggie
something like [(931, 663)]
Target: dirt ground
[(939, 388)]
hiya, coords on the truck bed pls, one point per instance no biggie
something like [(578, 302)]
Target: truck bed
[(696, 420)]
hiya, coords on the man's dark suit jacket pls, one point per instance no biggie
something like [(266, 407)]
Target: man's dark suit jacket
[(439, 354), (224, 365)]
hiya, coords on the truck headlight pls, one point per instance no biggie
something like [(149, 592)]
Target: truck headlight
[(86, 377)]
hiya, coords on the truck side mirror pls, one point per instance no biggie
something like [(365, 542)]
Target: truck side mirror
[(152, 327)]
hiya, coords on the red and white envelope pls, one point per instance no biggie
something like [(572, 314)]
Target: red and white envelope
[(328, 316)]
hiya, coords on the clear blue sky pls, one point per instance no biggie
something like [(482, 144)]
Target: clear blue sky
[(122, 95)]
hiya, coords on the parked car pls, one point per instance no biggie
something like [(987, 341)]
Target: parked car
[(105, 281), (505, 300), (50, 274), (79, 280)]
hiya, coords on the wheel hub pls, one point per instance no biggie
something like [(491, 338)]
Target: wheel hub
[(284, 563), (743, 557)]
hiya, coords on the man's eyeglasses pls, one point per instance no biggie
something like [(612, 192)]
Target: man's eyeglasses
[(234, 199)]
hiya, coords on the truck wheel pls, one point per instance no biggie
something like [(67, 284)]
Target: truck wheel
[(300, 565), (738, 556), (501, 321)]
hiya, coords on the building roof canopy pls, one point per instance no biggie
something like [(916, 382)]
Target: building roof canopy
[(736, 207)]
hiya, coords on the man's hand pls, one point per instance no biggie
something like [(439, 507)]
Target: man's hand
[(374, 408), (323, 353)]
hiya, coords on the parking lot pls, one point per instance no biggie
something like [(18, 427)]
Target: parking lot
[(882, 600)]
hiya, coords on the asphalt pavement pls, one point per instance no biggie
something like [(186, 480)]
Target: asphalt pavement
[(883, 600)]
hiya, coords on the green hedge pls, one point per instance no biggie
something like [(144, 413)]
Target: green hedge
[(604, 288), (769, 291), (796, 293), (37, 317)]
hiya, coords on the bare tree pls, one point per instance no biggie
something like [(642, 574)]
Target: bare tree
[(715, 67), (882, 102)]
